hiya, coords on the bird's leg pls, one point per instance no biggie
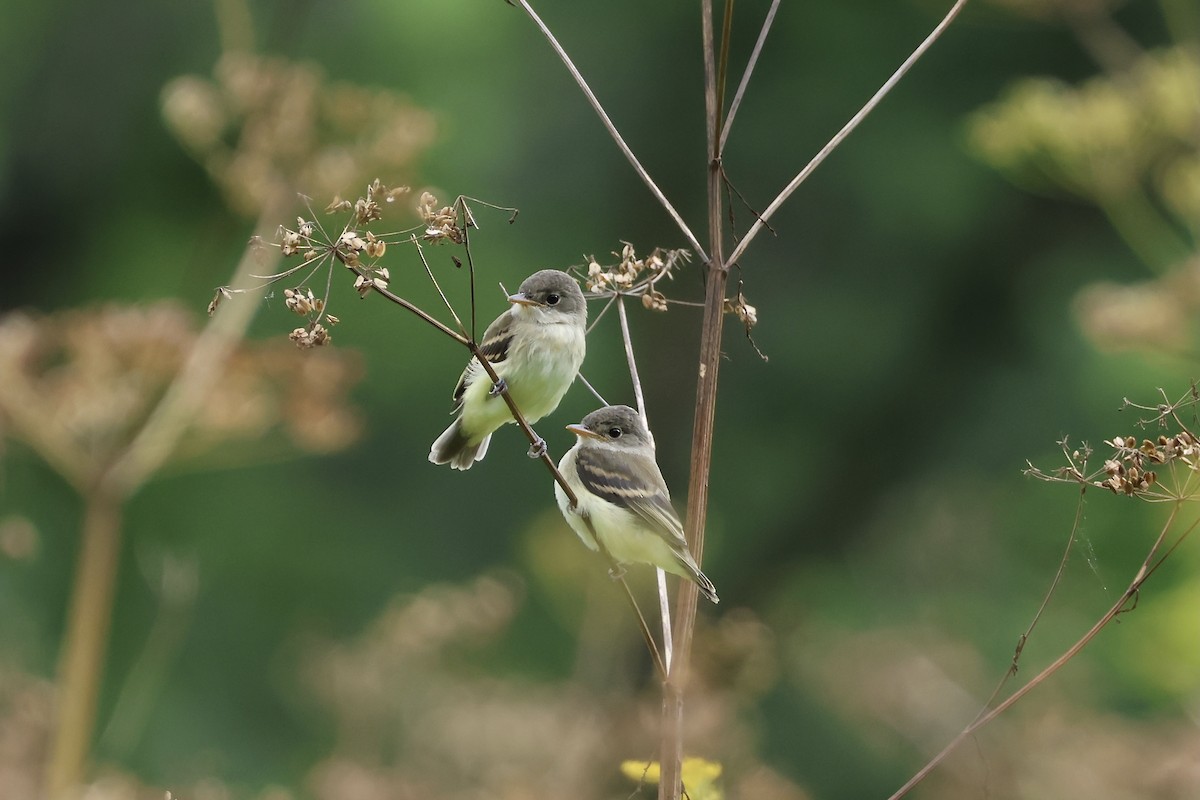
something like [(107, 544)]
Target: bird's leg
[(498, 388), (538, 448), (616, 571)]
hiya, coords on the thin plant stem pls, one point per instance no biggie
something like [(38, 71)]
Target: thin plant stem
[(659, 662), (634, 378), (664, 602), (612, 130), (723, 62), (846, 130), (600, 316), (741, 90), (592, 389), (1058, 575), (670, 783), (189, 391), (89, 616), (1131, 592), (441, 326), (442, 294), (81, 662)]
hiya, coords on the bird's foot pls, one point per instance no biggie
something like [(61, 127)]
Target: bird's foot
[(498, 388), (538, 448), (616, 572)]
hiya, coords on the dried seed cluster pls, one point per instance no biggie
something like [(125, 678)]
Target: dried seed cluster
[(262, 126), (635, 276), (1131, 469), (441, 222), (312, 335), (78, 386), (355, 247)]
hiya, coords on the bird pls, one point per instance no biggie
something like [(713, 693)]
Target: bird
[(536, 348), (624, 506)]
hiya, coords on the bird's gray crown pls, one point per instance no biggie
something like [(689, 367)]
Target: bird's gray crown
[(619, 425), (551, 288)]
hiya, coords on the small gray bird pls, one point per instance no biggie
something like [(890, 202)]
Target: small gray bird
[(624, 506), (536, 348)]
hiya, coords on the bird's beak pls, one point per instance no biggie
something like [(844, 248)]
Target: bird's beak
[(522, 299), (579, 430)]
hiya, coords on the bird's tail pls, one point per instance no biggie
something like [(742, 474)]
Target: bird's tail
[(453, 447), (692, 571)]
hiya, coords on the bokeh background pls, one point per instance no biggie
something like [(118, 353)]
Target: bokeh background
[(305, 608)]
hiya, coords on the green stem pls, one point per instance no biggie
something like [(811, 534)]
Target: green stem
[(81, 662), (1148, 234)]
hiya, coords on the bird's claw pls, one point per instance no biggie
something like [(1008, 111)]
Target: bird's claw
[(498, 388), (538, 448), (616, 572)]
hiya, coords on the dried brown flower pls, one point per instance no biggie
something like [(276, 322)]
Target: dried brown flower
[(261, 126), (441, 223), (77, 386), (632, 275)]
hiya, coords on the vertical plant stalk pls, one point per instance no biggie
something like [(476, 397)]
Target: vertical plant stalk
[(664, 600), (89, 617), (671, 749), (82, 659)]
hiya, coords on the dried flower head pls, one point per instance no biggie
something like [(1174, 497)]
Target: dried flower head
[(634, 275), (263, 125), (441, 222), (1136, 467), (312, 335), (77, 386)]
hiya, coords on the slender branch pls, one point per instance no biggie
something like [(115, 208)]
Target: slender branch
[(442, 294), (638, 397), (846, 130), (592, 389), (612, 129), (1135, 586), (161, 433), (741, 90), (400, 301), (671, 748), (723, 63), (662, 665), (1024, 637), (664, 601), (81, 662)]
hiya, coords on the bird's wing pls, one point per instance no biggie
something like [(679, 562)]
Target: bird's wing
[(634, 483), (496, 340)]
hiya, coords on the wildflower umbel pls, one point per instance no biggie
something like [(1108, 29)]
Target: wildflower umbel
[(1131, 469), (1134, 467), (441, 223), (319, 249), (635, 276)]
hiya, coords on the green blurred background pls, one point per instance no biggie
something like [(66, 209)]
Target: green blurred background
[(364, 625)]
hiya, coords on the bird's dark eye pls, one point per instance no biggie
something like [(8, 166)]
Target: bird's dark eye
[(552, 299), (615, 433)]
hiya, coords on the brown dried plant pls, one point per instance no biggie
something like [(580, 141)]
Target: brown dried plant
[(1135, 468), (110, 397), (262, 126)]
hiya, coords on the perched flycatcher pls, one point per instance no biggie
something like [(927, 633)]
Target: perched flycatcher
[(536, 348), (624, 507)]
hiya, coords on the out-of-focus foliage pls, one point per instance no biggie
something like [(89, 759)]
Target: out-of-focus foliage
[(363, 625)]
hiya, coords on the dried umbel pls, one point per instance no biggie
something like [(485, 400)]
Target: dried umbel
[(635, 275), (78, 386), (1162, 468), (262, 126), (1131, 469)]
